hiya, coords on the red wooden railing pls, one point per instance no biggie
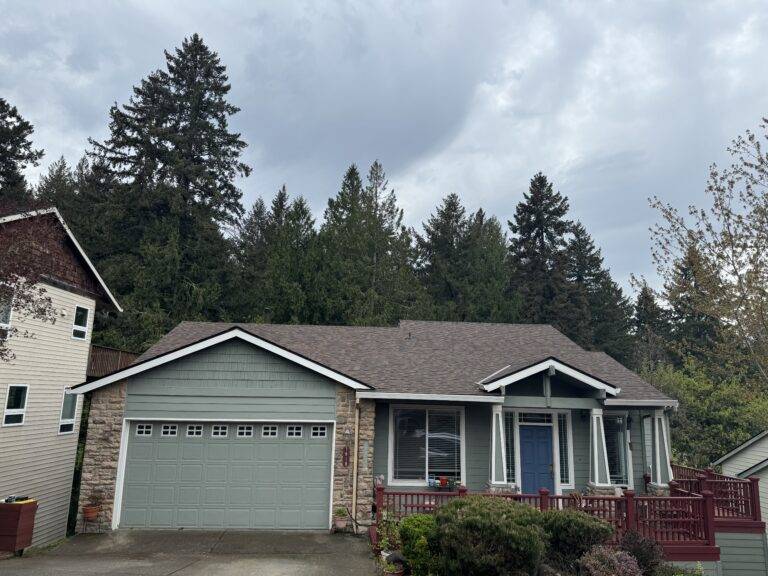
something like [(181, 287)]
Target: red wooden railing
[(735, 499)]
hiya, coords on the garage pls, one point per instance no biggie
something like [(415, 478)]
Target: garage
[(219, 475)]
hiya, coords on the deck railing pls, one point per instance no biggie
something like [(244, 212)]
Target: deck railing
[(736, 499)]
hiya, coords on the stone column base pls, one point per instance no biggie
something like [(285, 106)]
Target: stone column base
[(594, 490), (503, 488), (653, 489)]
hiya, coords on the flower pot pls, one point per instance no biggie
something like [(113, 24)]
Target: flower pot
[(91, 512), (398, 571), (340, 523)]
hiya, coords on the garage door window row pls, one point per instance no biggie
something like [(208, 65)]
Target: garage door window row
[(241, 431)]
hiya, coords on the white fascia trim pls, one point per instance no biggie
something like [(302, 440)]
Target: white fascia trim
[(213, 341), (92, 268), (649, 403), (559, 367), (426, 397), (738, 449)]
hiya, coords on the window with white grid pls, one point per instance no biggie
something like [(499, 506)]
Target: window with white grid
[(144, 430), (269, 431), (169, 430), (294, 431), (319, 431), (194, 430), (219, 430), (244, 431)]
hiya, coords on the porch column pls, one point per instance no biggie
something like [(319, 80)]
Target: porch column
[(661, 469), (498, 446), (598, 460)]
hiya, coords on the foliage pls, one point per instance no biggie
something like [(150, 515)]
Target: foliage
[(388, 533), (418, 534), (673, 570), (490, 536), (607, 561), (648, 553), (16, 153), (571, 534)]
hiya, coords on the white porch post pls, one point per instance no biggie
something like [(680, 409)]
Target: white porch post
[(662, 468), (598, 454), (498, 447)]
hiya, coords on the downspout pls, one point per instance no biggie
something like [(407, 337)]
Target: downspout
[(354, 464)]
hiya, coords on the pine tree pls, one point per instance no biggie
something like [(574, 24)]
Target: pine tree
[(16, 154), (651, 330), (58, 188)]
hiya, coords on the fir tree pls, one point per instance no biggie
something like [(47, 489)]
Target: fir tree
[(16, 154), (651, 331)]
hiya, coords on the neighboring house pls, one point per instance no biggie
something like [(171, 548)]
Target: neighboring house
[(38, 431), (750, 459), (274, 426)]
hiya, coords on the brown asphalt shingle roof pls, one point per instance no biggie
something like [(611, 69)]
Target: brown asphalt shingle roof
[(425, 357)]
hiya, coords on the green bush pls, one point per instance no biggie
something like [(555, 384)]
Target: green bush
[(672, 570), (648, 553), (418, 534), (605, 561), (489, 536), (571, 535)]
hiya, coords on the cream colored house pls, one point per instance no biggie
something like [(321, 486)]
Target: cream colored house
[(39, 426), (750, 459)]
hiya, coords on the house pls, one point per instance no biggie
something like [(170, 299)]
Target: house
[(39, 427), (750, 460), (275, 426)]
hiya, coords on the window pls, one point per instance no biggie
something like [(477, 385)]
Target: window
[(244, 431), (67, 419), (5, 317), (562, 440), (426, 444), (616, 445), (80, 324), (219, 430), (169, 430), (509, 441), (194, 430), (535, 418), (144, 430), (294, 432), (15, 405), (319, 431), (269, 431)]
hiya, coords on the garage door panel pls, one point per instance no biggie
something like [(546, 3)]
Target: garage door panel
[(237, 482)]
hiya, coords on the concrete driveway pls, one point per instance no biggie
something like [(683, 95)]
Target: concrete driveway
[(192, 553)]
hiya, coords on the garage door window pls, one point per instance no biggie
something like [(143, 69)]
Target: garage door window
[(319, 431), (144, 430), (269, 431), (219, 431), (294, 432), (244, 431), (169, 430), (194, 430)]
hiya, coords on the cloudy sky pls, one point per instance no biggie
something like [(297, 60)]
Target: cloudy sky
[(615, 101)]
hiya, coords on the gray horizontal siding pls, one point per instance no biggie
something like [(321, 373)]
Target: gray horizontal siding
[(742, 554), (234, 380)]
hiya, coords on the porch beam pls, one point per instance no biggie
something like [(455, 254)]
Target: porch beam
[(598, 468), (498, 446)]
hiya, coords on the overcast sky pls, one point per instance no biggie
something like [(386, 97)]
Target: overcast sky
[(614, 101)]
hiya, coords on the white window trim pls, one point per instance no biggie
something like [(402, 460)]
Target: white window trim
[(15, 411), (77, 327), (627, 446), (299, 426), (245, 428), (321, 429), (391, 449), (151, 430), (172, 428), (64, 421), (193, 429), (271, 427), (222, 428), (555, 425)]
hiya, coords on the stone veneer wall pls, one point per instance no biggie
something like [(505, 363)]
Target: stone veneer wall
[(102, 449), (343, 475)]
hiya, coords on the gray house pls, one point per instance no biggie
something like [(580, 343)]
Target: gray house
[(274, 426)]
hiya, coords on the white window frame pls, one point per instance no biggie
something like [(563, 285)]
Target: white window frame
[(555, 425), (15, 411), (627, 447), (66, 421), (221, 428), (193, 429), (268, 429), (318, 431), (426, 407), (78, 327), (171, 429), (295, 427), (247, 430), (144, 427)]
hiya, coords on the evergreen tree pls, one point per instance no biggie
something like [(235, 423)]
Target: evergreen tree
[(16, 154), (651, 330), (58, 188)]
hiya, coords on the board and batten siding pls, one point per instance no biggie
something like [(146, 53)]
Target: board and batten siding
[(233, 380), (36, 460), (746, 459)]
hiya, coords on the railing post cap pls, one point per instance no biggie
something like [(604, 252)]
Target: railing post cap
[(707, 493), (629, 492), (544, 491)]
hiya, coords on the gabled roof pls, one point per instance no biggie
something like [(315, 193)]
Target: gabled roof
[(78, 248), (417, 357), (741, 448)]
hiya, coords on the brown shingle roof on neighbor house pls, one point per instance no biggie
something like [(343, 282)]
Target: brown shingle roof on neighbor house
[(419, 357)]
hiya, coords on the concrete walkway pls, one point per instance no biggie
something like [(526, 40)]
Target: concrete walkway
[(193, 553)]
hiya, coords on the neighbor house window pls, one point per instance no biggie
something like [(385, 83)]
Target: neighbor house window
[(67, 419), (15, 405), (80, 324), (5, 317), (244, 431), (426, 443), (269, 431), (616, 444)]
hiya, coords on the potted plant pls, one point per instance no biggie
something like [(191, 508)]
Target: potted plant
[(392, 569), (340, 516), (93, 508)]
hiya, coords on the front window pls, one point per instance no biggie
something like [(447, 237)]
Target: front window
[(509, 441), (427, 444), (80, 324), (616, 445), (67, 419), (15, 405)]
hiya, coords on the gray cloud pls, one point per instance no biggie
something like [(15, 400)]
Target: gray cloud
[(615, 101)]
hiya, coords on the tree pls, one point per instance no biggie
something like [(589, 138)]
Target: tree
[(651, 331), (16, 154)]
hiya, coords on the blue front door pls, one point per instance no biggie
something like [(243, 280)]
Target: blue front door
[(536, 459)]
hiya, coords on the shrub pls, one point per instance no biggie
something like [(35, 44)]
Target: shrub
[(388, 533), (418, 536), (672, 570), (571, 535), (489, 536), (605, 561), (648, 553)]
